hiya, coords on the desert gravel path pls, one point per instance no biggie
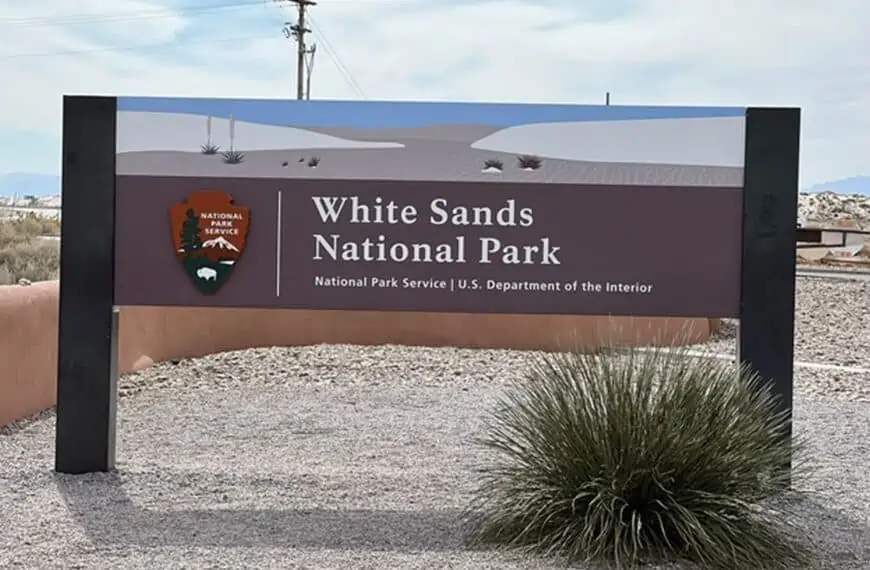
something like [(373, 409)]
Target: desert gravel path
[(342, 457)]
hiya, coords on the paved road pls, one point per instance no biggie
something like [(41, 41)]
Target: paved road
[(833, 273)]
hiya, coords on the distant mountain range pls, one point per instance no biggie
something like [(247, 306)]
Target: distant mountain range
[(22, 184), (854, 185)]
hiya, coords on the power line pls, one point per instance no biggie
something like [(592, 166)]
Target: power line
[(133, 48), (333, 55), (305, 55), (126, 16), (298, 31)]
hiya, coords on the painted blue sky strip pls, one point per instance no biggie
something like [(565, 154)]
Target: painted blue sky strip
[(404, 114)]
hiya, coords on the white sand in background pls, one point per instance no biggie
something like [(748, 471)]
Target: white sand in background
[(140, 131), (344, 457), (718, 141)]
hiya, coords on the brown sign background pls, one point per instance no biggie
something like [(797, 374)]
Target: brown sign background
[(684, 242)]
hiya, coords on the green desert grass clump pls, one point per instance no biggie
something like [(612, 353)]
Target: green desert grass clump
[(23, 254), (633, 457)]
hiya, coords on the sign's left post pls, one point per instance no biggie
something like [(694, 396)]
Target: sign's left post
[(87, 356)]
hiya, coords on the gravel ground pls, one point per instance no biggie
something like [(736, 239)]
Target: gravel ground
[(334, 457), (832, 326)]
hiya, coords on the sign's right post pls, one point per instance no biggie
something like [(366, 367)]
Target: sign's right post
[(767, 288)]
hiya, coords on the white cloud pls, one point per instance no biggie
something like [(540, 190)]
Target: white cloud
[(744, 52)]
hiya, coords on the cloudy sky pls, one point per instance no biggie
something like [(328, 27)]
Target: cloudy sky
[(806, 53)]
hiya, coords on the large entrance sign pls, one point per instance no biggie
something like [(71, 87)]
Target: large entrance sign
[(403, 206)]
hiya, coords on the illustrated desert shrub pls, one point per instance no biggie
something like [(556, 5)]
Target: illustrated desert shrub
[(232, 157), (628, 457), (493, 163), (313, 161), (25, 254), (529, 162), (209, 147)]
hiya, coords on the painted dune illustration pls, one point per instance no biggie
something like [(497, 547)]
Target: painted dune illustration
[(432, 141)]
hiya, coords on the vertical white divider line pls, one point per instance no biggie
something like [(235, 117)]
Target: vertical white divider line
[(278, 251)]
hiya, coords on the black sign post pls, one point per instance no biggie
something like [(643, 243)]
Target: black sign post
[(87, 354), (767, 290)]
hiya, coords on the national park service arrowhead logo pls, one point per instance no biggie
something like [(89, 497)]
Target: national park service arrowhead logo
[(209, 233)]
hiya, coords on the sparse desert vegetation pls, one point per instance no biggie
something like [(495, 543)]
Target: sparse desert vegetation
[(209, 147), (232, 156), (629, 457), (529, 162), (313, 161), (25, 253), (493, 164)]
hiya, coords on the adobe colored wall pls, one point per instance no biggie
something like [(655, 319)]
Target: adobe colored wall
[(28, 336)]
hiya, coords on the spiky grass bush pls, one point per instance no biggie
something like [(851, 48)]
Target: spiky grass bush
[(233, 157), (637, 456), (493, 163), (313, 161)]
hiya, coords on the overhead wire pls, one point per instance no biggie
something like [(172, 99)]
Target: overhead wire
[(133, 16), (336, 60), (133, 48), (93, 18), (333, 55)]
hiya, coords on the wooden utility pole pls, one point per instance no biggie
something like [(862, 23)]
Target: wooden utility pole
[(298, 31)]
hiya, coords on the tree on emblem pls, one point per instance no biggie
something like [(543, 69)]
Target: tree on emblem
[(191, 241)]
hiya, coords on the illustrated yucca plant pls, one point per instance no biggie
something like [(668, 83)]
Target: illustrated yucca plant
[(629, 456), (209, 147), (493, 163), (233, 156), (313, 161), (529, 162)]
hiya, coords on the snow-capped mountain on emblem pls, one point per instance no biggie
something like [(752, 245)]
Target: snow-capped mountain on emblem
[(220, 243)]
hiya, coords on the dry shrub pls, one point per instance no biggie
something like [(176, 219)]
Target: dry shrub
[(631, 457), (25, 254)]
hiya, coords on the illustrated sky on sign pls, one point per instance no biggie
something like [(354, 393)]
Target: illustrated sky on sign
[(404, 114)]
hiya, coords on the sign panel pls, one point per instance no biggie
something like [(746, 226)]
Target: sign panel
[(484, 208)]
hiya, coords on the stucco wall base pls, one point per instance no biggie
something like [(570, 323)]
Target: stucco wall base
[(28, 336)]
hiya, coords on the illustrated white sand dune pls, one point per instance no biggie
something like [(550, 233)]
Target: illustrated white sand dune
[(689, 142), (144, 131)]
